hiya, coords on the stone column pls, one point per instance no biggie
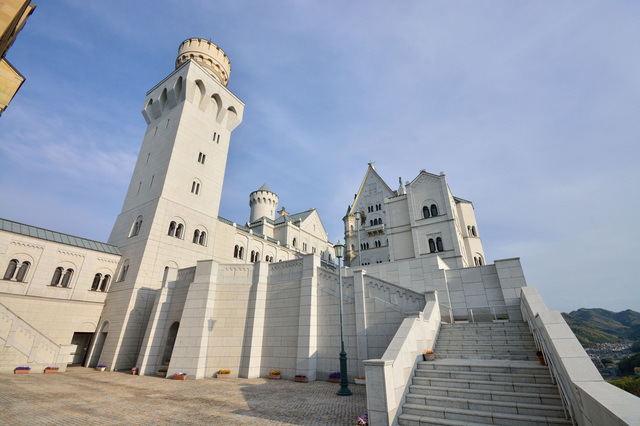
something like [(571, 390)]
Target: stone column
[(359, 295), (190, 350), (252, 354), (306, 360), (151, 347)]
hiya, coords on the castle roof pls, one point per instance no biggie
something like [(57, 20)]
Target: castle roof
[(58, 237)]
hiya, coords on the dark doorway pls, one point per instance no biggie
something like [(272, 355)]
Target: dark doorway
[(80, 342)]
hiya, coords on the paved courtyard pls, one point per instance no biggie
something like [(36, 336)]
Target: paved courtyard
[(84, 396)]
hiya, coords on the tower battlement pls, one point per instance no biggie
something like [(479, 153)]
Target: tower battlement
[(207, 54)]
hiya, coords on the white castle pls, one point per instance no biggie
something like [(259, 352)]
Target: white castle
[(178, 288)]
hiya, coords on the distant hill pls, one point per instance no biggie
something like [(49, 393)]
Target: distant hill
[(592, 326)]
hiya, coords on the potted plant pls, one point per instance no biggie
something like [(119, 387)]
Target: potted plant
[(223, 374), (300, 378), (21, 370), (49, 370), (363, 420), (179, 376), (134, 371), (429, 356), (162, 372), (541, 359), (334, 377), (101, 367), (362, 380), (274, 375)]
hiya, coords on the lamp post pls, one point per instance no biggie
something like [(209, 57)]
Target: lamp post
[(344, 382), (358, 218)]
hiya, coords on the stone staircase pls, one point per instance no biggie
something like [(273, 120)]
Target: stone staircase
[(484, 373)]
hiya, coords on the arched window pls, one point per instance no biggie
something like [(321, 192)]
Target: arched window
[(56, 276), (22, 272), (236, 251), (473, 231), (195, 187), (241, 253), (135, 230), (425, 212), (434, 210), (196, 236), (432, 245), (105, 283), (124, 270), (11, 269), (367, 244), (66, 279), (294, 242), (172, 229), (203, 239), (96, 282), (253, 255), (439, 244), (469, 230), (180, 231), (257, 257)]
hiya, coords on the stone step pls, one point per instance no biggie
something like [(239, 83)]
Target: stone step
[(411, 411), (514, 351), (505, 407), (413, 420), (483, 376), (540, 388), (483, 332), (523, 397), (498, 325), (487, 366), (487, 356), (501, 339), (528, 346)]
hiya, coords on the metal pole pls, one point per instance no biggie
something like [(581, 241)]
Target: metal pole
[(344, 382)]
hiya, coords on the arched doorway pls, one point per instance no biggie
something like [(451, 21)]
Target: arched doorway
[(171, 341)]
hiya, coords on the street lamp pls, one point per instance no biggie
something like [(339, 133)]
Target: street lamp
[(344, 382)]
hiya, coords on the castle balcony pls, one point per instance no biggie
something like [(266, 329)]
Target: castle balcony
[(375, 230)]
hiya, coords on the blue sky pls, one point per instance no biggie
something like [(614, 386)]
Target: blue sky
[(532, 109)]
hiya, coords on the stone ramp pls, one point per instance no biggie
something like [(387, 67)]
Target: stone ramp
[(485, 373)]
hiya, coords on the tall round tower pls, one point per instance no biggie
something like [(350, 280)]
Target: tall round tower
[(263, 202), (206, 54)]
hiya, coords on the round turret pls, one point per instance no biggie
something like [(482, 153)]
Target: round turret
[(206, 54), (263, 202)]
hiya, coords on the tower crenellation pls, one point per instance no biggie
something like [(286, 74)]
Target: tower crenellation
[(207, 54)]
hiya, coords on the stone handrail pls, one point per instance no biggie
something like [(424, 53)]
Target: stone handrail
[(388, 378), (37, 348), (589, 399), (413, 300)]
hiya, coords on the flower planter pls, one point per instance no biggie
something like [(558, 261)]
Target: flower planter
[(134, 372), (20, 371), (161, 373), (223, 376), (361, 381), (274, 376), (184, 377), (301, 379), (334, 379), (428, 357), (541, 358), (101, 368), (50, 370)]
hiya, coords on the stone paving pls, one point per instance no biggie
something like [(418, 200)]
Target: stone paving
[(84, 396)]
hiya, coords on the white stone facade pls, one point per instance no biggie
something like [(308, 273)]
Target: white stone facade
[(206, 293)]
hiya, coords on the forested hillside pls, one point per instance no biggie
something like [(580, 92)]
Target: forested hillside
[(593, 326)]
